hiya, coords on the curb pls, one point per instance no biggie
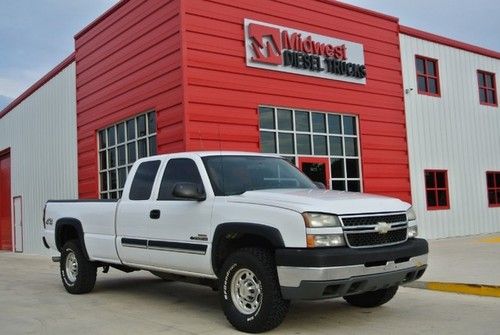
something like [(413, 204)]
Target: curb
[(472, 289)]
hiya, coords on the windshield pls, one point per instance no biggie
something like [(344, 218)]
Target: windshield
[(230, 175)]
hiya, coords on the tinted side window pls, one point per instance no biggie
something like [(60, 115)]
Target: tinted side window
[(143, 180), (179, 170)]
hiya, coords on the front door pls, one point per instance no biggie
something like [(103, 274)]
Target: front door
[(179, 233), (316, 168), (5, 219)]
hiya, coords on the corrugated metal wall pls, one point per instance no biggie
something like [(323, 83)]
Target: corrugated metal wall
[(41, 134), (223, 94), (129, 63), (452, 132)]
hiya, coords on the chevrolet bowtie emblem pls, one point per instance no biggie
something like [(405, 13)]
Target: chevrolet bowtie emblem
[(382, 227)]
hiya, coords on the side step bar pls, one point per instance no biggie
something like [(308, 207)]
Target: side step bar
[(56, 259)]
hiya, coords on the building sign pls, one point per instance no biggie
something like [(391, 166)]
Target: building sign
[(278, 48)]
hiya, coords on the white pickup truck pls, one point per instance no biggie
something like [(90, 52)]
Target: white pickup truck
[(251, 226)]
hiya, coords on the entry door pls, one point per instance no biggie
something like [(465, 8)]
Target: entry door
[(5, 219), (18, 224), (179, 233), (317, 169)]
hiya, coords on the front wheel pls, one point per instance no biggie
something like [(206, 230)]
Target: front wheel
[(373, 298), (78, 274), (250, 292)]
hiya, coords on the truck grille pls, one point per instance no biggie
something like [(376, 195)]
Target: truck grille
[(375, 230), (376, 239), (373, 220)]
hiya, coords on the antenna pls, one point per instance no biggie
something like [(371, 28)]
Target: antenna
[(201, 141), (218, 136)]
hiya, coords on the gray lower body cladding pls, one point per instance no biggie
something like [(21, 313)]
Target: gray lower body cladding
[(322, 273), (313, 290)]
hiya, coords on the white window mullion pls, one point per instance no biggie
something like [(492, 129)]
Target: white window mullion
[(311, 133), (126, 142)]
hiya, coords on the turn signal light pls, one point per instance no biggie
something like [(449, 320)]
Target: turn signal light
[(325, 240)]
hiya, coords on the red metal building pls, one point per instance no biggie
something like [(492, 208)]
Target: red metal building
[(186, 63)]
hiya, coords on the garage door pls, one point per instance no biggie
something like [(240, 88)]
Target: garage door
[(5, 219)]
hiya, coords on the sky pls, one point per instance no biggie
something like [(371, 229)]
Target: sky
[(475, 22), (35, 35)]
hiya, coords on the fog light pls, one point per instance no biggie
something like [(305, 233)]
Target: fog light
[(326, 240), (412, 231)]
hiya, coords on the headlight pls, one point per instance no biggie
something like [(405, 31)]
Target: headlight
[(325, 240), (410, 214), (412, 231), (318, 220)]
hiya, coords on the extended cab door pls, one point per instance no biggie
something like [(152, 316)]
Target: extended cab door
[(179, 235), (133, 214)]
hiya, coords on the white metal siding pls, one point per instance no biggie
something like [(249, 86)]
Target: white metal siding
[(41, 134), (452, 132)]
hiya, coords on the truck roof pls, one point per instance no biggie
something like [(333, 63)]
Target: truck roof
[(207, 153)]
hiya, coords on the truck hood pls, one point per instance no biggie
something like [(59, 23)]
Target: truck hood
[(311, 200)]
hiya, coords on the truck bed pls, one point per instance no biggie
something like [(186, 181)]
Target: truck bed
[(97, 216)]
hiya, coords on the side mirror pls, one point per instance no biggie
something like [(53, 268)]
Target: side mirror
[(320, 185), (189, 191)]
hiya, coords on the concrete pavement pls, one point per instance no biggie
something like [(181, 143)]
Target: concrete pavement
[(35, 302), (471, 260)]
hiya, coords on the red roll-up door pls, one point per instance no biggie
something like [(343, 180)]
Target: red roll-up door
[(5, 219)]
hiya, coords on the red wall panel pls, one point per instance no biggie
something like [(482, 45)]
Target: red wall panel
[(128, 62), (186, 60), (223, 94), (5, 201)]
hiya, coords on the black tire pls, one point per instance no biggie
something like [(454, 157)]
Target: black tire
[(272, 308), (162, 275), (373, 298), (82, 280)]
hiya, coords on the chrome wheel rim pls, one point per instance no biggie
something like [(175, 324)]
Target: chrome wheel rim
[(246, 291), (71, 266)]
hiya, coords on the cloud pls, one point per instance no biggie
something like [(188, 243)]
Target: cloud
[(16, 82), (471, 22), (36, 35), (4, 101)]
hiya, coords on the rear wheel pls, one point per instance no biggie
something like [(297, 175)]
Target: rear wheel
[(78, 274), (373, 298), (250, 292)]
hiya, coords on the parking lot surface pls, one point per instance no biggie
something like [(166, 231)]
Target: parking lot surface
[(35, 302), (471, 260)]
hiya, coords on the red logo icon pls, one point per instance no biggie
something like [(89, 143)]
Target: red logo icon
[(266, 39)]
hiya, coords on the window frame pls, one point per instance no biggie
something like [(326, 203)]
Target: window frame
[(428, 76), (311, 132), (132, 196), (487, 88), (107, 148), (495, 188), (436, 189), (162, 176)]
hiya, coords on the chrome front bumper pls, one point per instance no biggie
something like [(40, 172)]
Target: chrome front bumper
[(291, 276), (312, 283)]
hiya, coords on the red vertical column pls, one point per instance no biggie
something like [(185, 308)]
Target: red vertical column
[(5, 203)]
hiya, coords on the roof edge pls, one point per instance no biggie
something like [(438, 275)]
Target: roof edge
[(42, 81), (448, 41), (100, 18), (362, 10)]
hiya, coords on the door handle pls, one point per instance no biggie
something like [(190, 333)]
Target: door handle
[(154, 214)]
